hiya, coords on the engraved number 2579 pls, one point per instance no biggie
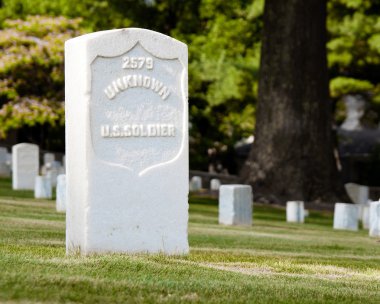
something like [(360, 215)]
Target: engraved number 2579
[(137, 62)]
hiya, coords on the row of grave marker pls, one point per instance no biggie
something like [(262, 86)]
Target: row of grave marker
[(24, 166), (346, 216), (126, 109), (235, 201), (236, 208), (359, 194)]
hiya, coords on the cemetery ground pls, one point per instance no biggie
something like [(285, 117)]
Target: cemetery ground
[(270, 262)]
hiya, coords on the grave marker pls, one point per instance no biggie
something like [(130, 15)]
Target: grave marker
[(4, 167), (48, 158), (61, 193), (346, 216), (25, 166), (215, 184), (295, 212), (126, 142), (235, 205), (196, 183), (358, 194), (365, 216), (43, 187), (9, 159), (374, 219)]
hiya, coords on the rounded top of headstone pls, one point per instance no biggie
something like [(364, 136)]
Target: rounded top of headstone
[(25, 145), (126, 38)]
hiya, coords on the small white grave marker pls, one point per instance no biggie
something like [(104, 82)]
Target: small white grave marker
[(126, 142), (61, 193), (4, 167), (48, 158), (43, 187), (365, 216), (374, 219), (235, 205), (25, 166), (359, 194), (295, 212), (196, 183), (9, 159), (53, 170), (214, 184), (346, 216)]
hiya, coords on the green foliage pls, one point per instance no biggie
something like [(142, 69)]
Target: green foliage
[(341, 86), (354, 47), (97, 14), (224, 55), (161, 15), (31, 71), (223, 70)]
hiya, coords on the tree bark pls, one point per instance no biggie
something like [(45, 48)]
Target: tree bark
[(292, 157)]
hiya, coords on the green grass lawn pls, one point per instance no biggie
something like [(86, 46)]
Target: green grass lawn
[(271, 262)]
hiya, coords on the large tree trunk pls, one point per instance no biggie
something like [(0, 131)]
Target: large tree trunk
[(292, 156)]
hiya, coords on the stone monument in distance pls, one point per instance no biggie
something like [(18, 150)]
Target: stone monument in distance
[(25, 166)]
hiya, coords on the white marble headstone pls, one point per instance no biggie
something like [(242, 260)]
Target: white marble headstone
[(61, 193), (25, 166), (295, 212), (54, 169), (374, 219), (48, 158), (214, 184), (355, 108), (235, 205), (52, 175), (3, 154), (43, 187), (196, 183), (346, 216), (365, 215), (4, 167), (359, 194), (9, 159), (126, 142)]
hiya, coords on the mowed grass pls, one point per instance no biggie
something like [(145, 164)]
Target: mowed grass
[(270, 262)]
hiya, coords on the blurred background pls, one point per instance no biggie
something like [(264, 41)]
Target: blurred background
[(224, 39)]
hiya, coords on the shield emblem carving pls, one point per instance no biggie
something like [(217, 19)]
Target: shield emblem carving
[(137, 109)]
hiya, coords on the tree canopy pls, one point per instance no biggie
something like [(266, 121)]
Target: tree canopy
[(224, 39), (31, 71)]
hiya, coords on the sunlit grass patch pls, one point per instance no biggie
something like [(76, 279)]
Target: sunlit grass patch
[(270, 262)]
